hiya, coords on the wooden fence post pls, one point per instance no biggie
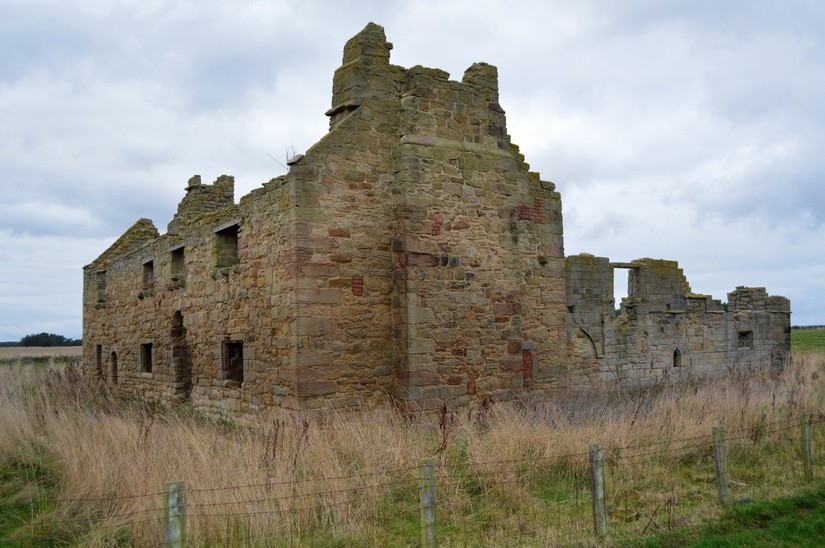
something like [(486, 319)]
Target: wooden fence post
[(426, 502), (597, 490), (807, 458), (721, 458), (174, 515)]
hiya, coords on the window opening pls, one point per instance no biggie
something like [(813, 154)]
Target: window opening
[(677, 358), (113, 367), (146, 357), (178, 266), (148, 274), (100, 279), (226, 246), (99, 360), (181, 360), (233, 361), (746, 339), (621, 284)]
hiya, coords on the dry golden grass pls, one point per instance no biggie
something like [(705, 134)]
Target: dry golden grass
[(12, 352), (507, 474)]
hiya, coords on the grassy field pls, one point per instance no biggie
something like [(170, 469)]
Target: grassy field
[(40, 355), (80, 465), (786, 521), (808, 340), (11, 352)]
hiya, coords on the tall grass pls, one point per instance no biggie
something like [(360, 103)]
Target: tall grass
[(507, 473)]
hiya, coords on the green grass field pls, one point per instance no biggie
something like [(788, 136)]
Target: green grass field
[(787, 521), (808, 340)]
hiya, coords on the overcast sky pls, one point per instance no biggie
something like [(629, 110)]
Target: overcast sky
[(685, 130)]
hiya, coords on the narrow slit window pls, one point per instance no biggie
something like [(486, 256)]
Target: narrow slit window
[(113, 367), (146, 357), (677, 358), (226, 246), (99, 359)]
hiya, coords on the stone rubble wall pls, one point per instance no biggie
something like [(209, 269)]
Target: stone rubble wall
[(663, 331), (410, 257)]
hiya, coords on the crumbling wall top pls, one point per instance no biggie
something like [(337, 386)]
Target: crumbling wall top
[(756, 298), (136, 236), (201, 199), (368, 46)]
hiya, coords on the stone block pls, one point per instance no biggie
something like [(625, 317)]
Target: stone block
[(316, 388), (318, 296), (312, 327)]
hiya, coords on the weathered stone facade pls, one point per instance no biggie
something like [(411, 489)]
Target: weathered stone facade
[(663, 330), (409, 256)]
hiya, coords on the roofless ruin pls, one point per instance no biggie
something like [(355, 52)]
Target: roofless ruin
[(410, 256)]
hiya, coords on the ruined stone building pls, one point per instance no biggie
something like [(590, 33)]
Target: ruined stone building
[(410, 256)]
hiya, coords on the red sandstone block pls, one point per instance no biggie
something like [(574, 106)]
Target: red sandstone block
[(514, 346), (526, 365)]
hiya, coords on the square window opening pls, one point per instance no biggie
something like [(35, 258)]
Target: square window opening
[(100, 282), (233, 361), (146, 357), (226, 246), (745, 339), (148, 274), (178, 267)]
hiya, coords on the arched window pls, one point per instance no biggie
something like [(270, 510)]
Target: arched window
[(677, 358)]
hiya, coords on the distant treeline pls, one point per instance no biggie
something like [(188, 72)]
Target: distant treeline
[(803, 327), (44, 339)]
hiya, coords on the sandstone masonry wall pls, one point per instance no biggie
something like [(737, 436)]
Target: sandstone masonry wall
[(662, 330), (409, 256)]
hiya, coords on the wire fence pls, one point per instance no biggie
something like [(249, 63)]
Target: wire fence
[(544, 499)]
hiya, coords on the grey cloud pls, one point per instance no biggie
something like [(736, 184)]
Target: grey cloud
[(682, 130)]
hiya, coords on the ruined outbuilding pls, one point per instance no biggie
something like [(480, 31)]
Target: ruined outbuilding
[(409, 256)]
